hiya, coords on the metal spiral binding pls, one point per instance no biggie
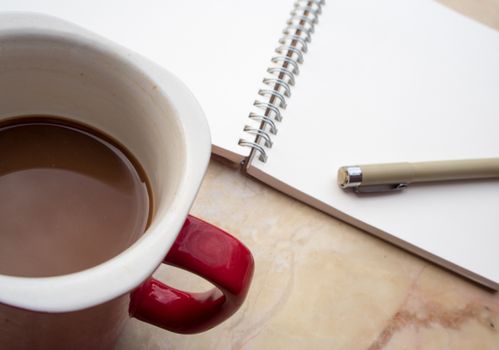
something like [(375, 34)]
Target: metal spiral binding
[(285, 67)]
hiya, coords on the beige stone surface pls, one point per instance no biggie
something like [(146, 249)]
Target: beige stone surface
[(322, 284)]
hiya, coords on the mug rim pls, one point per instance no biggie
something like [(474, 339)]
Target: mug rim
[(122, 273)]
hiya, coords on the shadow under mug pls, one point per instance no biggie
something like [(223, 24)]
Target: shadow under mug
[(52, 67)]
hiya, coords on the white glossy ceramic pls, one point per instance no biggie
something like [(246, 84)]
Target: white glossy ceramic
[(49, 66)]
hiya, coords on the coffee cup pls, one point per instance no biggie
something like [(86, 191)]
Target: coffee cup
[(52, 67)]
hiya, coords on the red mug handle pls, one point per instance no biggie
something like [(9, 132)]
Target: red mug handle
[(211, 253)]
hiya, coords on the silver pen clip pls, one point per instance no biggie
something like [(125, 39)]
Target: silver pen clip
[(379, 188)]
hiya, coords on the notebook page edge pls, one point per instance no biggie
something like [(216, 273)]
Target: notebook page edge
[(385, 236)]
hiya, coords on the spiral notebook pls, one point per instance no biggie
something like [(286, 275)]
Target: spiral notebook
[(391, 81), (380, 81)]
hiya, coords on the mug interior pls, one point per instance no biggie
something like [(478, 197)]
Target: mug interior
[(48, 74)]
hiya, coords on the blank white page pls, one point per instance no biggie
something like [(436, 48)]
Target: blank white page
[(389, 81), (220, 49)]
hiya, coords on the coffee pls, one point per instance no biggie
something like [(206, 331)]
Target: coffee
[(70, 197)]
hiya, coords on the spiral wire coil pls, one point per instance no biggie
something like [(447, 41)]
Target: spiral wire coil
[(285, 67)]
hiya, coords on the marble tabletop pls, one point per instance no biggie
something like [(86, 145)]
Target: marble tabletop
[(322, 284)]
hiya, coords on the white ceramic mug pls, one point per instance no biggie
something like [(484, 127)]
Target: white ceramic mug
[(49, 66)]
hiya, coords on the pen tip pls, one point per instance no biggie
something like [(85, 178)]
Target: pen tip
[(342, 177)]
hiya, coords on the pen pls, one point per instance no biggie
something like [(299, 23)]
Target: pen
[(396, 176)]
